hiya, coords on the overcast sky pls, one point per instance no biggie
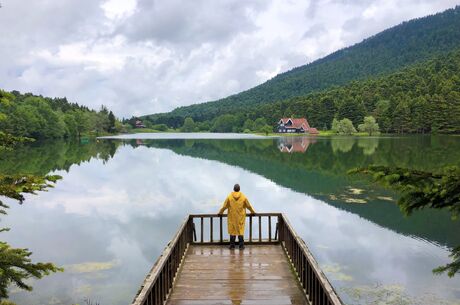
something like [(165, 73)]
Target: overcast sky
[(146, 56)]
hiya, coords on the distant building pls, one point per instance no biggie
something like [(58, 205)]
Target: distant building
[(139, 124), (290, 125)]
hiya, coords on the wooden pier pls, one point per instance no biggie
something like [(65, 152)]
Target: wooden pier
[(276, 266)]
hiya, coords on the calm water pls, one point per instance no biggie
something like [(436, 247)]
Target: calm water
[(120, 201)]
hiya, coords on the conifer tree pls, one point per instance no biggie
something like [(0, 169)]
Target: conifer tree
[(15, 264)]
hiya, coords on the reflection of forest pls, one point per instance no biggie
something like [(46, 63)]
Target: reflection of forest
[(41, 158), (321, 173)]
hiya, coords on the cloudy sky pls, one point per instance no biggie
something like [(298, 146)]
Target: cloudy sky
[(146, 56)]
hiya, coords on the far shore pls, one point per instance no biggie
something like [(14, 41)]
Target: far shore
[(144, 133)]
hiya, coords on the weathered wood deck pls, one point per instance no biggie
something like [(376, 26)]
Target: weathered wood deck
[(257, 275), (275, 268)]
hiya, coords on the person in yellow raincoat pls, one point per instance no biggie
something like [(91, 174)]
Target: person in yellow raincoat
[(236, 203)]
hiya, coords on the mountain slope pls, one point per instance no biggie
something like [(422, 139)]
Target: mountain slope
[(421, 98), (386, 52)]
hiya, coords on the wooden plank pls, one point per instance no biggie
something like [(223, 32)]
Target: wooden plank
[(259, 274)]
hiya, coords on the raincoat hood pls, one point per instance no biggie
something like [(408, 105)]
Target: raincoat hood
[(236, 195)]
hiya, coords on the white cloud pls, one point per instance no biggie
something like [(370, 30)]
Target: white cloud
[(119, 9), (144, 56)]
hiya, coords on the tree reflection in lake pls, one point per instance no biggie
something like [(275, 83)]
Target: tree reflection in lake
[(101, 212)]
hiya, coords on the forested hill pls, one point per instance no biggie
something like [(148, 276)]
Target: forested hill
[(421, 98), (386, 52), (38, 117)]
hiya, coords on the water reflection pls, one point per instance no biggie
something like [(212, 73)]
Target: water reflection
[(106, 222), (295, 144)]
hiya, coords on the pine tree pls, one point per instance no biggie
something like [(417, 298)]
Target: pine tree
[(420, 190), (353, 110), (16, 266)]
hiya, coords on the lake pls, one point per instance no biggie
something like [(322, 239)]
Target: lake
[(121, 200)]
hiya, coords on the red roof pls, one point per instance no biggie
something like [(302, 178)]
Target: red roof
[(297, 123), (313, 131)]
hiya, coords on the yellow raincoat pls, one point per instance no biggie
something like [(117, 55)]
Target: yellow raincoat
[(236, 203)]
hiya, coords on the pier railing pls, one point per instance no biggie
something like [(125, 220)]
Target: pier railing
[(314, 283), (261, 228), (160, 279)]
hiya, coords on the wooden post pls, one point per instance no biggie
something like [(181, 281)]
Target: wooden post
[(201, 235), (194, 232), (250, 228), (211, 225), (220, 230), (269, 228), (260, 228)]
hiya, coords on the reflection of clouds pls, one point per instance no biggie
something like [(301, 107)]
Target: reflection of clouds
[(126, 211)]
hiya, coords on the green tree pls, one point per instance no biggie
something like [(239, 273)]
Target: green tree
[(326, 112), (224, 123), (71, 125), (353, 110), (189, 125), (421, 189), (160, 127), (346, 127), (266, 129), (16, 266), (402, 117), (111, 121), (382, 114), (259, 123), (369, 126), (248, 124), (335, 126)]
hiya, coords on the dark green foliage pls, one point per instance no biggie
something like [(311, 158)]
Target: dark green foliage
[(343, 127), (40, 117), (353, 110), (112, 120), (369, 125), (387, 52), (421, 189), (189, 125), (224, 123), (160, 127), (415, 100), (15, 264)]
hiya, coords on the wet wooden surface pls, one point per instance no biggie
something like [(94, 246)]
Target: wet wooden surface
[(259, 274)]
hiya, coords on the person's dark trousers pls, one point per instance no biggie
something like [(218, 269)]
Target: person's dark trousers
[(232, 241), (241, 241)]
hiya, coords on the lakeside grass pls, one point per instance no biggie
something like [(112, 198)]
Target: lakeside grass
[(322, 133)]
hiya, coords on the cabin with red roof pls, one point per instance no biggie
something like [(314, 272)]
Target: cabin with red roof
[(291, 125), (139, 124)]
